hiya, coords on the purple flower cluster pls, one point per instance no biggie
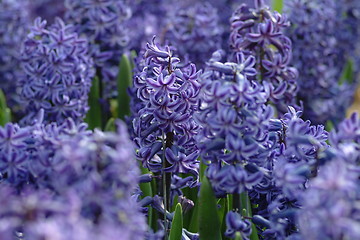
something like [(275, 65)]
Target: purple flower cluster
[(235, 119), (57, 72), (14, 18), (330, 205), (57, 176), (320, 53), (194, 31), (260, 32), (47, 9), (164, 127), (293, 160), (103, 23), (148, 19)]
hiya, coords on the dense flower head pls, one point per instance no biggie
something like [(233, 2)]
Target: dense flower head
[(348, 15), (293, 161), (235, 122), (259, 32), (47, 9), (14, 21), (194, 31), (164, 128), (330, 205), (103, 23), (169, 93), (319, 32), (148, 19), (57, 72), (80, 177)]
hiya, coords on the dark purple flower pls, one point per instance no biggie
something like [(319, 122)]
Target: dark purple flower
[(235, 224), (57, 72)]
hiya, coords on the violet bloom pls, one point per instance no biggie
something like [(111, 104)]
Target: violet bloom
[(194, 31), (235, 224), (292, 162), (103, 23), (57, 72), (321, 52), (259, 32), (169, 94), (235, 120), (330, 205), (14, 23)]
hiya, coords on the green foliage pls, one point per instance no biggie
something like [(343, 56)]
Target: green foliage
[(177, 224), (5, 113), (278, 5), (93, 117), (347, 74), (124, 81), (209, 223)]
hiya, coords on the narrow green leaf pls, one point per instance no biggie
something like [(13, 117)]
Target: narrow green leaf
[(194, 222), (238, 236), (227, 209), (209, 223), (347, 74), (110, 125), (222, 210), (93, 117), (124, 81), (146, 189), (2, 100), (329, 125), (5, 113), (202, 169), (245, 198), (177, 224), (278, 5)]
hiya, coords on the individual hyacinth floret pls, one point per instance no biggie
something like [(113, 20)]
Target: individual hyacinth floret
[(57, 72), (259, 32), (235, 224)]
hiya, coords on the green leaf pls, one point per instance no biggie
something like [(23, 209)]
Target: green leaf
[(238, 236), (93, 117), (209, 223), (2, 100), (5, 113), (177, 224), (110, 125), (329, 125), (278, 5), (124, 81), (222, 210), (194, 222), (347, 74)]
